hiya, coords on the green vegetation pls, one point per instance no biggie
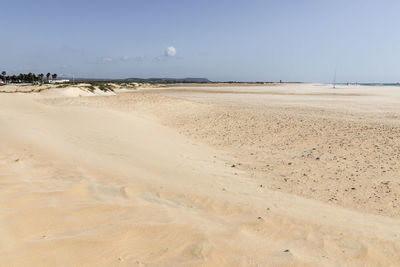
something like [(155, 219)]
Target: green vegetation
[(103, 86), (91, 88), (106, 87), (128, 85), (26, 78), (64, 85)]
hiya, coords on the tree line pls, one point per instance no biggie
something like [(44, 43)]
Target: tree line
[(28, 77)]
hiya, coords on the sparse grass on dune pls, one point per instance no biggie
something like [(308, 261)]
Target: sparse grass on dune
[(91, 87)]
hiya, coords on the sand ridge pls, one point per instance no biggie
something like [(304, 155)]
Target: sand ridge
[(336, 156)]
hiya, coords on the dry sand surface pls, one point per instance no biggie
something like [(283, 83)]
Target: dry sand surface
[(282, 175)]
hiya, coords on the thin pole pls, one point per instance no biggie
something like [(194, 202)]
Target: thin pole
[(334, 79)]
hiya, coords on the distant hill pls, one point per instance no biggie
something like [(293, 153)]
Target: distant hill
[(169, 80)]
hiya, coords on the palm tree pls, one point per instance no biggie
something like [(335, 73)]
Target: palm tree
[(54, 76), (3, 76), (48, 76), (30, 77)]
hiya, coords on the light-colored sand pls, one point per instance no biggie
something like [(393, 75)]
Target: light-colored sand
[(142, 179)]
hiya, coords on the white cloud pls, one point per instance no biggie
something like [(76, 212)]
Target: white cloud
[(131, 58), (170, 51), (107, 59), (125, 58), (139, 58)]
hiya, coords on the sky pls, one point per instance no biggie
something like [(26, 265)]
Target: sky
[(235, 40)]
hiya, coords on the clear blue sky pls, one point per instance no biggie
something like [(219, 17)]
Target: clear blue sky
[(222, 40)]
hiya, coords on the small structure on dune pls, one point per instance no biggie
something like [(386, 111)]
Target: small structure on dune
[(59, 81)]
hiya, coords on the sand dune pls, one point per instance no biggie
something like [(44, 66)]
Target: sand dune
[(149, 180)]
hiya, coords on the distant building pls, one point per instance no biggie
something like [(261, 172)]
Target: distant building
[(59, 81)]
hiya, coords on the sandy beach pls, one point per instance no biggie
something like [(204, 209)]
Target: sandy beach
[(193, 175)]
